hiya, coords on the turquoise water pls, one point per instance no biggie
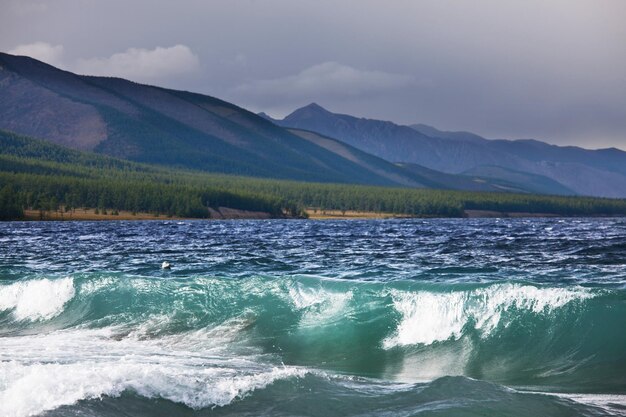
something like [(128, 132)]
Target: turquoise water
[(303, 318)]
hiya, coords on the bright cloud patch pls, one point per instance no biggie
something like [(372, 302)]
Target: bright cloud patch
[(137, 64), (327, 79), (142, 64), (50, 54)]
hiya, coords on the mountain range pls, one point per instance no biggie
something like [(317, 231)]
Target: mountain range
[(182, 129), (582, 171)]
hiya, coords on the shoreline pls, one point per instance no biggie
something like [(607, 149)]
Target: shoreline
[(225, 213), (221, 213)]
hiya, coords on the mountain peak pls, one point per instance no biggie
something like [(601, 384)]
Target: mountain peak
[(310, 109)]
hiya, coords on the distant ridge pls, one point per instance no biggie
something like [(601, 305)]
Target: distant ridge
[(587, 172)]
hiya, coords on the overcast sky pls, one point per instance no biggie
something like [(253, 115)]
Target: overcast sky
[(553, 70)]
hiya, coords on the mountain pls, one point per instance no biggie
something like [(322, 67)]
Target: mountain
[(150, 124), (587, 172)]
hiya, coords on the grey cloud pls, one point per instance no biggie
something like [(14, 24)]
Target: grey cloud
[(327, 80)]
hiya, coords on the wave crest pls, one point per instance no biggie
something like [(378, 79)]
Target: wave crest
[(428, 317), (40, 299)]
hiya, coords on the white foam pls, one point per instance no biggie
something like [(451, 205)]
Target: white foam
[(67, 366), (39, 299), (429, 317), (65, 384)]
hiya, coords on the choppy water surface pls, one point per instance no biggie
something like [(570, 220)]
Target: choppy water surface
[(303, 318)]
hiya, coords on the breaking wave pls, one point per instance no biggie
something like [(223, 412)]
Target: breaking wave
[(39, 299)]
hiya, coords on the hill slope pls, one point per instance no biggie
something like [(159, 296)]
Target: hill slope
[(414, 175), (156, 125)]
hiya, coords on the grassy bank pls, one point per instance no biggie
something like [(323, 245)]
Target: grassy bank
[(317, 214)]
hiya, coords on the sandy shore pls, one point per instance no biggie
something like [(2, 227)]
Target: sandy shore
[(90, 214)]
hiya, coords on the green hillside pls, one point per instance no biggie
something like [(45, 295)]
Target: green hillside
[(38, 175)]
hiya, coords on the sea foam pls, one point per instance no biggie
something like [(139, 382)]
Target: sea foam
[(65, 367), (65, 384), (39, 299)]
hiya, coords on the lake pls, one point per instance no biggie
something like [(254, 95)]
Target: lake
[(433, 317)]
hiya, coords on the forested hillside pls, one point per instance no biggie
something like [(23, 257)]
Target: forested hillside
[(39, 175)]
